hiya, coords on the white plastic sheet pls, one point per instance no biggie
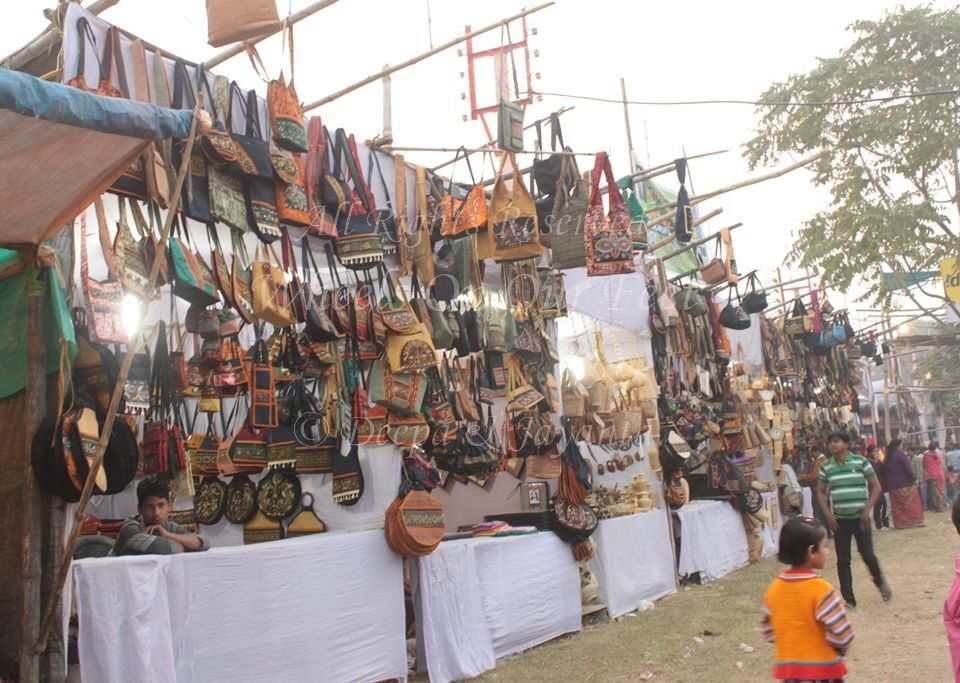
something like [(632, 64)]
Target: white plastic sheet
[(616, 299), (712, 539), (326, 607), (634, 561), (486, 598)]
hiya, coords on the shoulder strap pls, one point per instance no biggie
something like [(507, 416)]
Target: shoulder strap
[(113, 58), (375, 161)]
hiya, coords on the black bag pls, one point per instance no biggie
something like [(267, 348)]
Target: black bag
[(547, 172), (683, 223), (195, 196), (320, 328), (386, 219), (754, 301), (733, 316), (670, 459), (260, 189)]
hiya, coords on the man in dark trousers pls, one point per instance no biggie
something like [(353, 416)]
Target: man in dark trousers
[(848, 489)]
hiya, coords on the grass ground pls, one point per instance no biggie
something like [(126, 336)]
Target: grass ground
[(710, 634)]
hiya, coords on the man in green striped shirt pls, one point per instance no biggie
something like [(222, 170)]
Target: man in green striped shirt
[(851, 485)]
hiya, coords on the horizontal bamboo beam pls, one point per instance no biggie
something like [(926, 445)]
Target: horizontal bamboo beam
[(239, 48), (410, 62), (475, 150)]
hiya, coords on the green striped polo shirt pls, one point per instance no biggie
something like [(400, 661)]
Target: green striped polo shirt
[(848, 484)]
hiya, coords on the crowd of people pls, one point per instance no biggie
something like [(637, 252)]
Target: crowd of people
[(856, 487)]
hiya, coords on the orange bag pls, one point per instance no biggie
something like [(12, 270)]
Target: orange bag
[(512, 232), (467, 216)]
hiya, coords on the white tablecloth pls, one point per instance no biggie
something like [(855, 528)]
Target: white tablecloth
[(712, 538), (634, 561), (484, 598), (769, 534), (326, 607)]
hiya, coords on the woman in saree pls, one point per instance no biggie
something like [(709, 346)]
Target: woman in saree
[(906, 508)]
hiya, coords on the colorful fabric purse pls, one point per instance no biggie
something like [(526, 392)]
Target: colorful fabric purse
[(291, 192), (193, 279), (278, 493), (567, 224), (210, 501), (241, 503), (609, 243), (271, 295), (286, 115), (195, 195), (103, 300), (130, 255), (466, 215)]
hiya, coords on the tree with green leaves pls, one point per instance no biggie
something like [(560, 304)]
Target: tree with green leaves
[(937, 369), (887, 112)]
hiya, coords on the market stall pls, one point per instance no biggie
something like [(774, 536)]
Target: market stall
[(204, 617), (482, 599)]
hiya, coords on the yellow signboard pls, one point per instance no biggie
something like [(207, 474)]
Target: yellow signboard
[(950, 272)]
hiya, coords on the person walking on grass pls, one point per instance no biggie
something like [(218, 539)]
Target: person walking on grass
[(802, 614), (934, 479), (848, 489)]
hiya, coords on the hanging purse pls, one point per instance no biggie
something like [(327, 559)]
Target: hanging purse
[(230, 22), (195, 195), (241, 500), (570, 206), (348, 481), (691, 301), (271, 295), (320, 327), (733, 316), (552, 293), (193, 279), (386, 218), (104, 87), (609, 243), (358, 242), (241, 280), (130, 255), (465, 215), (292, 205), (715, 271), (512, 232), (103, 300), (263, 395), (794, 324), (521, 396), (754, 301), (210, 501), (306, 521), (286, 115), (278, 493)]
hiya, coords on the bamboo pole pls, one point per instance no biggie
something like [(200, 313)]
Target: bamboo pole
[(488, 147), (475, 150), (670, 238), (47, 39), (134, 344), (31, 568), (626, 121), (410, 62), (237, 49), (696, 243)]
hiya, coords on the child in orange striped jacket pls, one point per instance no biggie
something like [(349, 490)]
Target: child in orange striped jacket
[(802, 614)]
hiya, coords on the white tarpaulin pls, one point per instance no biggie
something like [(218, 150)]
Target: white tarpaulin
[(481, 599), (327, 607), (617, 299), (634, 561), (712, 539), (746, 345)]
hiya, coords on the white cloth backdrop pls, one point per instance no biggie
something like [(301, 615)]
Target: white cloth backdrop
[(634, 561), (326, 607), (745, 345), (484, 598), (712, 538), (616, 299)]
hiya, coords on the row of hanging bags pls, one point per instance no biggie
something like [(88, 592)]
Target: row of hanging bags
[(608, 239)]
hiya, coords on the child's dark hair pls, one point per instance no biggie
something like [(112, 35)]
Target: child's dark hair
[(151, 486), (799, 533)]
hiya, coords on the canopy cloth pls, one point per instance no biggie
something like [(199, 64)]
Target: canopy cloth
[(60, 148), (306, 609)]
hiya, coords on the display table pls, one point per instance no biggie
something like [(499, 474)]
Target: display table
[(327, 607), (480, 599), (634, 561), (712, 538)]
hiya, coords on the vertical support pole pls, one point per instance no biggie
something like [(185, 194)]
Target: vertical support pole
[(387, 136), (886, 384), (32, 534), (626, 121)]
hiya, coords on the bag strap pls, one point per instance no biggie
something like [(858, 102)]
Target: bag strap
[(105, 243), (203, 85), (556, 133), (331, 265), (183, 93), (86, 36), (332, 148), (113, 58), (375, 161), (601, 166)]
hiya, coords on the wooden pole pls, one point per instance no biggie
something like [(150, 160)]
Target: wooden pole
[(410, 62), (626, 121), (692, 245), (488, 147), (237, 49), (670, 238), (47, 40), (132, 347), (31, 510)]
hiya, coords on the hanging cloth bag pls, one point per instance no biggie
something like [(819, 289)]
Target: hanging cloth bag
[(567, 222), (234, 21), (609, 244), (512, 231), (103, 300), (286, 114), (466, 215)]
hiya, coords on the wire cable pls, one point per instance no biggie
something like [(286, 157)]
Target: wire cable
[(756, 103)]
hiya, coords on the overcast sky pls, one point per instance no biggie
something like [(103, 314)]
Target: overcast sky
[(697, 49)]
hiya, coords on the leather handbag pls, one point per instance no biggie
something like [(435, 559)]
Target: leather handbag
[(794, 324), (322, 222), (262, 529), (271, 295), (754, 301), (512, 232), (234, 21), (690, 300), (609, 242), (715, 271), (463, 215), (306, 522), (733, 316), (566, 225), (414, 524), (103, 300)]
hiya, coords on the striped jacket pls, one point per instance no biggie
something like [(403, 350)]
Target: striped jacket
[(806, 620)]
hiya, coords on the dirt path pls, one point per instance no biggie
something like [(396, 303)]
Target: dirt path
[(900, 641)]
